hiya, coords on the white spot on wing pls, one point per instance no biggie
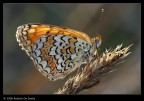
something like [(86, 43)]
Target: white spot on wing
[(43, 39), (52, 53), (66, 39), (25, 38), (38, 41), (24, 32), (44, 64), (19, 27), (57, 37), (58, 56), (34, 47), (38, 52), (73, 56), (16, 35), (57, 43), (47, 69), (59, 50), (59, 67), (63, 44), (38, 59), (53, 48), (60, 60), (40, 45)]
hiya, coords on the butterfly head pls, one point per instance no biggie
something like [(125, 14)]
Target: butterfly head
[(98, 40)]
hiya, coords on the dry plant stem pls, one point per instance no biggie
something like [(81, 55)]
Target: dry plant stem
[(95, 70)]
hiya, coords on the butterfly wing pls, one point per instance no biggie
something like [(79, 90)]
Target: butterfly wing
[(55, 51), (55, 56)]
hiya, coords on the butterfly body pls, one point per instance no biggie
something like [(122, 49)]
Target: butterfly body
[(55, 51)]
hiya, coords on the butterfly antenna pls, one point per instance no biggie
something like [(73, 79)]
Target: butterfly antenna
[(99, 20)]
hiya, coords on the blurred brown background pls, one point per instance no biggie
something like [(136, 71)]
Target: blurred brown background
[(120, 23)]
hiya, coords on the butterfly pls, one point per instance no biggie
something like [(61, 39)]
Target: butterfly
[(56, 51)]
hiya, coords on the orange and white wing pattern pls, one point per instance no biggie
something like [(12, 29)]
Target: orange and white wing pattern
[(56, 51)]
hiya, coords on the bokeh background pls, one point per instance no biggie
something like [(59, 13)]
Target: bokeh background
[(120, 23)]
